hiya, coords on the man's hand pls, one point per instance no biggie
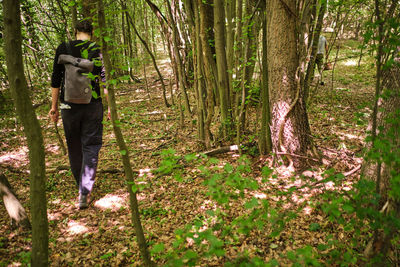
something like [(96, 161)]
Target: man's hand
[(53, 114)]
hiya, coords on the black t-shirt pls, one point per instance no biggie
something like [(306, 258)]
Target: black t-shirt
[(80, 49)]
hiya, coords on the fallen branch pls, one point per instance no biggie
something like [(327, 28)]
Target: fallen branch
[(220, 150), (352, 171)]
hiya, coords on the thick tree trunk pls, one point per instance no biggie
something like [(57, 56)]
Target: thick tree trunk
[(222, 66), (290, 130), (193, 16), (210, 68), (33, 133), (264, 142), (122, 146), (230, 39), (88, 8), (14, 208)]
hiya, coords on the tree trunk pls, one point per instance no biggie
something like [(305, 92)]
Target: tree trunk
[(74, 17), (122, 145), (210, 68), (193, 16), (222, 66), (230, 39), (264, 142), (88, 7), (290, 130), (13, 206), (33, 133)]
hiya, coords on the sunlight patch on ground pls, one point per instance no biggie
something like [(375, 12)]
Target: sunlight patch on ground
[(76, 228), (55, 149), (345, 136), (307, 210), (54, 216), (208, 205), (350, 62), (111, 202), (164, 61), (260, 195), (145, 172), (15, 158)]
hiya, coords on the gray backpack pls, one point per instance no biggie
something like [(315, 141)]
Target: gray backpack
[(77, 85)]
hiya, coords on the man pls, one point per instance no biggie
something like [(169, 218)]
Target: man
[(319, 60), (82, 122)]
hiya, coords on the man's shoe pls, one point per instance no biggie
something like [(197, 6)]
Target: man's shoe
[(322, 83), (83, 202)]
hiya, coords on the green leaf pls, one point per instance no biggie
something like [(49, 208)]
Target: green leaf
[(251, 204), (228, 168), (158, 248), (347, 208), (85, 53), (71, 3), (95, 95), (322, 247), (190, 157), (273, 245), (314, 227), (273, 263), (123, 152), (190, 254), (134, 188)]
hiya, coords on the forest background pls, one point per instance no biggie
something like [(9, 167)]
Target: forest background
[(232, 152)]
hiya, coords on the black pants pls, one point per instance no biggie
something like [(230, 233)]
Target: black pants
[(83, 129)]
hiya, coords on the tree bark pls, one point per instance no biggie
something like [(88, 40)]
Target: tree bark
[(33, 133), (192, 11), (122, 145), (265, 143), (210, 68), (222, 66), (290, 130)]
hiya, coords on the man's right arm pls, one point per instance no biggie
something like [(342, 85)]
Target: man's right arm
[(53, 114), (56, 80)]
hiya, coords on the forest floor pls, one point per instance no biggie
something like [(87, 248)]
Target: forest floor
[(103, 235)]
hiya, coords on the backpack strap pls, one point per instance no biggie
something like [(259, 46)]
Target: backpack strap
[(69, 50)]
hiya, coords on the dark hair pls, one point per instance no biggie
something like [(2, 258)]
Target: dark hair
[(84, 26)]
